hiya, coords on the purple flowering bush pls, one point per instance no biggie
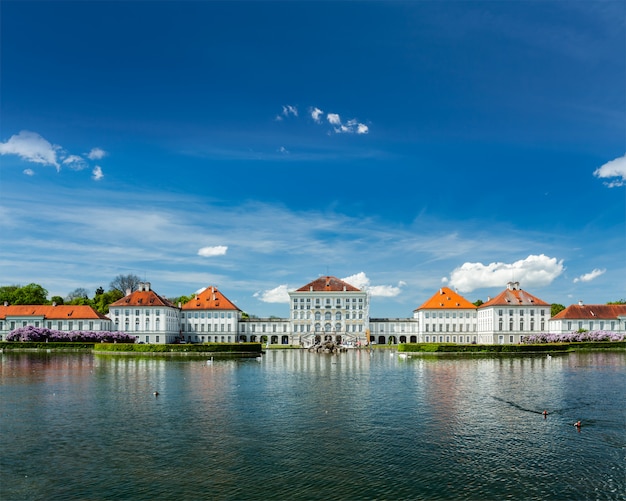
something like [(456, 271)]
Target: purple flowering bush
[(574, 337), (42, 335)]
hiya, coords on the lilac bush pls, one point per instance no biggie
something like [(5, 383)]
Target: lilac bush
[(574, 337), (43, 335)]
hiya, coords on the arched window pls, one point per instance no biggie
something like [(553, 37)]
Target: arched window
[(338, 315), (328, 327), (337, 327), (328, 315), (318, 327), (318, 315)]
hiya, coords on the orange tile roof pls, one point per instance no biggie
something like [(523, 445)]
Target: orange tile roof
[(592, 311), (143, 298), (514, 297), (446, 299), (49, 312), (328, 284), (210, 299)]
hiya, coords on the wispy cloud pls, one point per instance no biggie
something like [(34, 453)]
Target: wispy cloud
[(31, 147), (534, 271), (288, 110), (217, 250), (352, 126), (614, 169), (75, 162), (588, 277)]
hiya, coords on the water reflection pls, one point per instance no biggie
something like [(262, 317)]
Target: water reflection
[(296, 425)]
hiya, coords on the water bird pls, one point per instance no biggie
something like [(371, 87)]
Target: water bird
[(156, 393), (210, 361), (577, 424), (545, 413)]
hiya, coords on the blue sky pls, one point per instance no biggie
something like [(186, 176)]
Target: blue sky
[(255, 146)]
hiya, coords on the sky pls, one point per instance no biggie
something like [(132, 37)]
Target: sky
[(255, 146)]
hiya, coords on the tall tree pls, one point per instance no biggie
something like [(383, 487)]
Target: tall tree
[(556, 308), (102, 301), (7, 293), (619, 301), (80, 293), (478, 302), (123, 283), (31, 294)]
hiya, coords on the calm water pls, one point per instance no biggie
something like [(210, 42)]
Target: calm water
[(296, 425)]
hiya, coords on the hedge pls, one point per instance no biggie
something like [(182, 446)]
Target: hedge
[(180, 348), (506, 348)]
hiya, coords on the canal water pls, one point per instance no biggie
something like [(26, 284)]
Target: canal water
[(294, 425)]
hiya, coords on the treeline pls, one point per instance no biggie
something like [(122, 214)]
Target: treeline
[(99, 300)]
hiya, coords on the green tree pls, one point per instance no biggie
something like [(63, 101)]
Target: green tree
[(619, 301), (124, 283), (181, 299), (31, 294), (7, 293), (99, 291), (57, 300), (102, 301), (556, 308), (478, 302)]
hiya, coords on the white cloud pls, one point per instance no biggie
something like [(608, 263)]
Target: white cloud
[(96, 154), (333, 118), (75, 162), (362, 281), (362, 129), (614, 169), (316, 113), (283, 150), (96, 173), (588, 277), (29, 172), (278, 294), (217, 250), (31, 147), (290, 110), (534, 271)]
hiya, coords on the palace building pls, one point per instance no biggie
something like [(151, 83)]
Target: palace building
[(325, 309)]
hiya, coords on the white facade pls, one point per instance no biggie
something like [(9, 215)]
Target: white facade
[(510, 316), (394, 330), (589, 317), (147, 316), (263, 330), (53, 317), (209, 317), (329, 308)]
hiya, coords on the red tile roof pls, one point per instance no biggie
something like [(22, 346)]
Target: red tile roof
[(143, 298), (328, 284), (49, 312), (514, 296), (446, 298), (210, 299), (591, 311)]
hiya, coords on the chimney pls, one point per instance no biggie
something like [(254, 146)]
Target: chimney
[(128, 292), (344, 288), (311, 288), (147, 286), (580, 302), (440, 291), (6, 303), (488, 298), (54, 303)]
